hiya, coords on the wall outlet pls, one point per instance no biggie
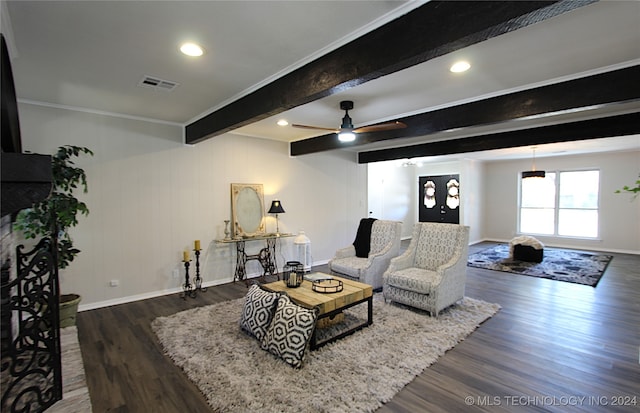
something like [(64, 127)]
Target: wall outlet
[(176, 273), (114, 283)]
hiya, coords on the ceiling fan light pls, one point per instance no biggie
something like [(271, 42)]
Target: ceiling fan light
[(346, 136), (347, 123)]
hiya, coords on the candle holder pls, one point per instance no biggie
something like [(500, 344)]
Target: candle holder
[(187, 288), (226, 230), (198, 280)]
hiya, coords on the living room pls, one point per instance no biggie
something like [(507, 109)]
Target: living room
[(151, 195), (150, 200)]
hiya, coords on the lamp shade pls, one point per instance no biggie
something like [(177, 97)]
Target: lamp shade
[(533, 174), (276, 207)]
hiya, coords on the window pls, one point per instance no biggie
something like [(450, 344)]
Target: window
[(562, 203)]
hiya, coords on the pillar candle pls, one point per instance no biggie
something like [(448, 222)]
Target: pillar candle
[(292, 278), (197, 248), (185, 256)]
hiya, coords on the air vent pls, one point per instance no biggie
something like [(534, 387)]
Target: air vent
[(157, 83)]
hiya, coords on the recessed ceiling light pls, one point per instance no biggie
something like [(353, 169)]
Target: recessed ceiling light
[(283, 122), (191, 49), (459, 67)]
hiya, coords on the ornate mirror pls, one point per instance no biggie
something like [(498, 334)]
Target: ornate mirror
[(247, 210)]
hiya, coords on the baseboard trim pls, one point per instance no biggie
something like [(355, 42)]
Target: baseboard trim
[(145, 296), (159, 293)]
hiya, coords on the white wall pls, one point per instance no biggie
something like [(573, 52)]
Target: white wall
[(391, 194), (619, 217), (472, 207), (150, 197)]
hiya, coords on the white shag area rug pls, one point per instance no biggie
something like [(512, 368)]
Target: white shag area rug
[(355, 374)]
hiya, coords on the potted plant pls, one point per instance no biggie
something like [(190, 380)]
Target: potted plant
[(631, 189), (54, 216)]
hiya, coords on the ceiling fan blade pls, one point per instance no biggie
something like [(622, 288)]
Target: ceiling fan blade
[(380, 127), (314, 127)]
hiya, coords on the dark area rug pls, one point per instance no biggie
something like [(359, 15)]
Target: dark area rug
[(579, 267)]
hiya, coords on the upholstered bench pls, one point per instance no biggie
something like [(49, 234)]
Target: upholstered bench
[(526, 248)]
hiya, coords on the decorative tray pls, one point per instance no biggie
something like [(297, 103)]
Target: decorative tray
[(327, 286)]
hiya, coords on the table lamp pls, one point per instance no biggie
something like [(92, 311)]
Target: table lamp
[(276, 208)]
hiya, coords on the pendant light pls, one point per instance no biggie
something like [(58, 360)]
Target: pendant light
[(533, 173)]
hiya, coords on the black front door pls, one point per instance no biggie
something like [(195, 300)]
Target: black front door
[(439, 199)]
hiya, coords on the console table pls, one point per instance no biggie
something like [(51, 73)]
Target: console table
[(266, 256)]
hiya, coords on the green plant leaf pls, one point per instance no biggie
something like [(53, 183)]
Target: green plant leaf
[(53, 216), (631, 189)]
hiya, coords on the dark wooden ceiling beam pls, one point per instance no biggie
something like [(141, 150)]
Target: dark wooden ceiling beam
[(612, 126), (572, 95), (429, 31)]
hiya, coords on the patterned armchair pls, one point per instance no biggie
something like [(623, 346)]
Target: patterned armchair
[(432, 272), (385, 244)]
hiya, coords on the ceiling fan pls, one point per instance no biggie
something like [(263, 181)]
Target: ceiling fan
[(347, 132)]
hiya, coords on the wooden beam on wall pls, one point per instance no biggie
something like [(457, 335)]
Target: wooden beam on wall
[(577, 94), (429, 31), (606, 127)]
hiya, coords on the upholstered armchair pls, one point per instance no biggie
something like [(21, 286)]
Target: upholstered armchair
[(384, 245), (432, 272)]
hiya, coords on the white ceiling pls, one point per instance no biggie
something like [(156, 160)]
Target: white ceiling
[(92, 54)]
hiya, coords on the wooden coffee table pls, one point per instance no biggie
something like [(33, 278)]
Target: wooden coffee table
[(330, 304)]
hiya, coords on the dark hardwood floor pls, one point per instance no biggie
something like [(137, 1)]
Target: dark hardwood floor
[(553, 346)]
